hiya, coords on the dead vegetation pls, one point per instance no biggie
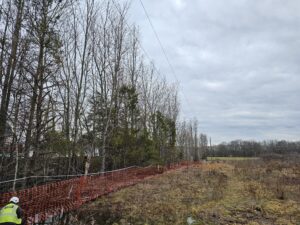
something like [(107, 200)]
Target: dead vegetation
[(255, 192)]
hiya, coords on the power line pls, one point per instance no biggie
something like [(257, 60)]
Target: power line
[(139, 43), (162, 47), (160, 44), (158, 39)]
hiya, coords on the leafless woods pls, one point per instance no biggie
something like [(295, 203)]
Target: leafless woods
[(76, 87)]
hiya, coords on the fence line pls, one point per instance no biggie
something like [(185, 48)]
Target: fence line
[(53, 199), (66, 176)]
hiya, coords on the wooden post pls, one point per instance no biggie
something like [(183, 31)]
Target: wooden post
[(16, 167)]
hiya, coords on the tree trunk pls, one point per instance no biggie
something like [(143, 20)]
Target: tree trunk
[(10, 71)]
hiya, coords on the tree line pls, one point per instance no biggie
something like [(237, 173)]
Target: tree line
[(254, 149), (77, 93)]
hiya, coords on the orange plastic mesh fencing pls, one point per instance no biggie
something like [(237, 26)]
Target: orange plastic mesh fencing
[(53, 199)]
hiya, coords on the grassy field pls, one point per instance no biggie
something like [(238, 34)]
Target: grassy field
[(216, 193), (230, 158)]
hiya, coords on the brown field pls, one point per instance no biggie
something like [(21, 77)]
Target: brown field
[(255, 192)]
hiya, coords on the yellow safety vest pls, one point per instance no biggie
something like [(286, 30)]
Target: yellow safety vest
[(8, 214)]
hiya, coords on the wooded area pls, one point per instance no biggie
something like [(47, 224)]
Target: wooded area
[(243, 148), (78, 95)]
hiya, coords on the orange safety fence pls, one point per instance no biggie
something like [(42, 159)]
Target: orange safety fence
[(54, 199)]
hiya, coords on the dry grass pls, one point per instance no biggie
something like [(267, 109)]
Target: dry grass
[(231, 158), (253, 193)]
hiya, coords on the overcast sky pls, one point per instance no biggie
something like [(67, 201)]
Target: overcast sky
[(237, 61)]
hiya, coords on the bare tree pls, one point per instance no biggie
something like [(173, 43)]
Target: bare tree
[(8, 72)]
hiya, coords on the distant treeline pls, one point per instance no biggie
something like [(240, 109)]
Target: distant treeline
[(253, 148)]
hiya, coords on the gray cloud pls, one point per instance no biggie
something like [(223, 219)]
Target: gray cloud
[(237, 62)]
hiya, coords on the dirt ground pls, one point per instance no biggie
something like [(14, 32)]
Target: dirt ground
[(252, 192)]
